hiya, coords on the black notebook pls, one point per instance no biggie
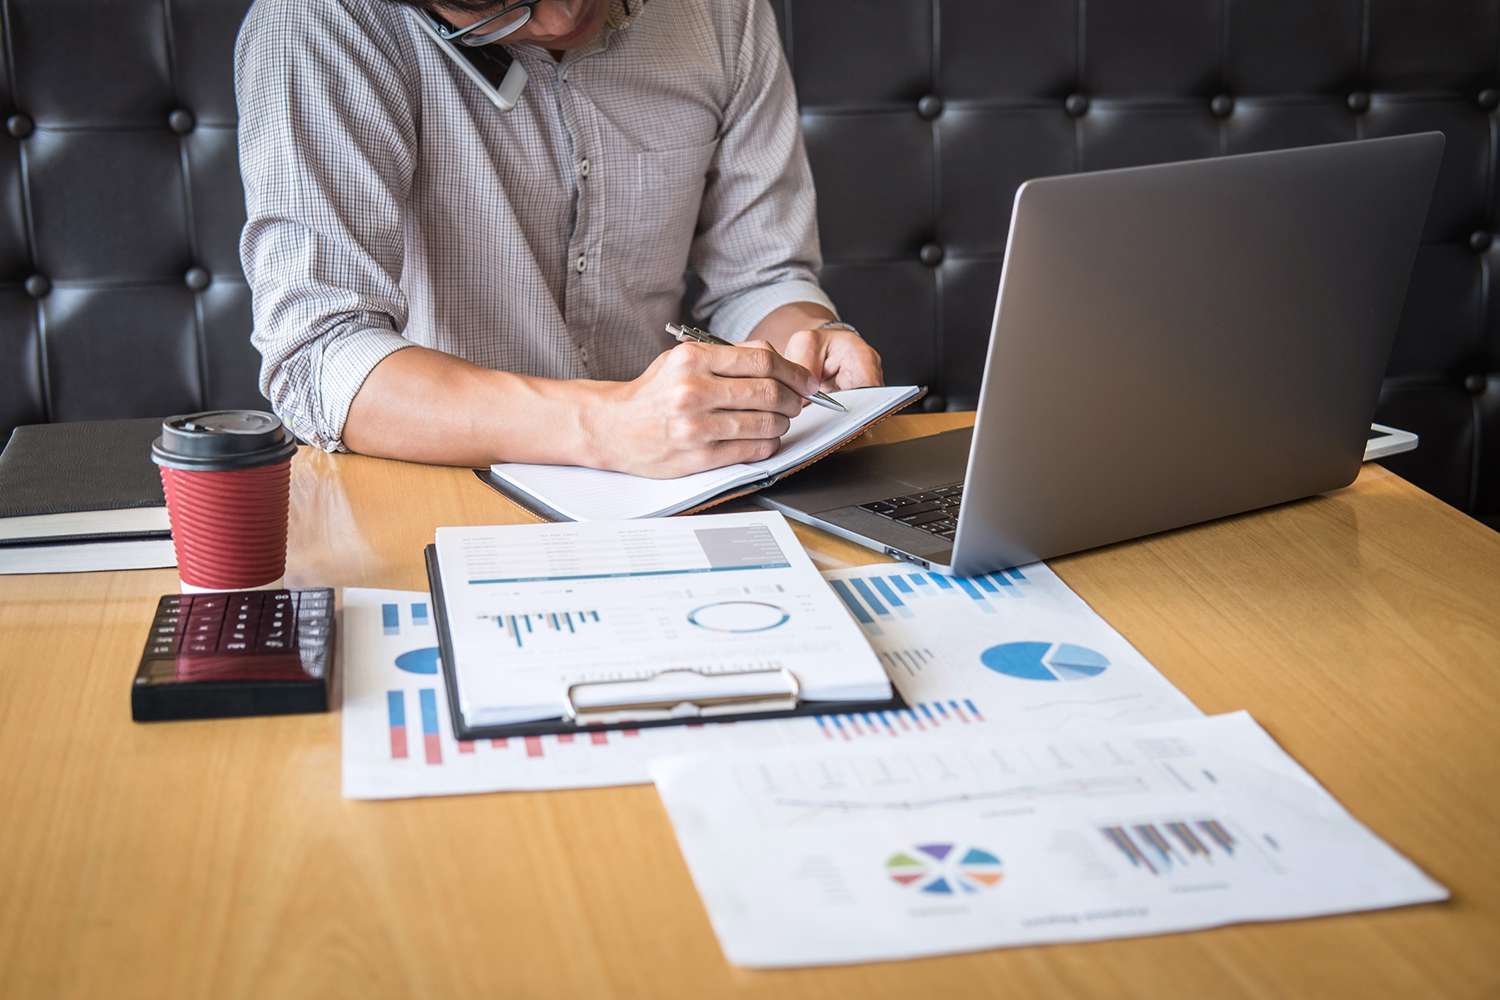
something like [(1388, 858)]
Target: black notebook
[(81, 483)]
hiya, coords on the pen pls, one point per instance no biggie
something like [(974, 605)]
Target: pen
[(683, 332)]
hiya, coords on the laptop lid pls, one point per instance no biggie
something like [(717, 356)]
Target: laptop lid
[(1185, 341)]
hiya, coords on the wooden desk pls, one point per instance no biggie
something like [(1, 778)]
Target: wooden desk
[(218, 858)]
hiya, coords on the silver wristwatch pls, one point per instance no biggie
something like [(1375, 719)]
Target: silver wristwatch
[(837, 324)]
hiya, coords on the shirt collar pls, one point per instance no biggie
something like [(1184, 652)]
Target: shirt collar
[(622, 12)]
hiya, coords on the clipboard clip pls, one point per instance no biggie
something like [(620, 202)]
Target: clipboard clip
[(665, 696)]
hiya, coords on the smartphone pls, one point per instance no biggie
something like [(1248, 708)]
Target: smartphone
[(489, 67)]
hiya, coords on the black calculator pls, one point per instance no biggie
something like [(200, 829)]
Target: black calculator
[(247, 652)]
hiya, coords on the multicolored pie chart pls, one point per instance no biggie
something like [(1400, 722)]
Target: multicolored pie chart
[(945, 869)]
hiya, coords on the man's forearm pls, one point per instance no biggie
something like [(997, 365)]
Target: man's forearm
[(426, 406)]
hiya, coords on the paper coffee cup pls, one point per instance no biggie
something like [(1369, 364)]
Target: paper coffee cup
[(227, 479)]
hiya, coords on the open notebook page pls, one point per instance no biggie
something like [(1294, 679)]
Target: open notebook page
[(591, 495)]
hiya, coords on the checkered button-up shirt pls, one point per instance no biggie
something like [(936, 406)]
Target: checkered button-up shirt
[(391, 204)]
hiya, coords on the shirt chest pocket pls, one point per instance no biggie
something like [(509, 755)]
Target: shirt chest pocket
[(658, 226)]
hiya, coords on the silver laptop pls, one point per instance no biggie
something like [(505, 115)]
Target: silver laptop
[(1171, 344)]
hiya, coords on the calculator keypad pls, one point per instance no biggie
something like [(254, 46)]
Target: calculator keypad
[(254, 634)]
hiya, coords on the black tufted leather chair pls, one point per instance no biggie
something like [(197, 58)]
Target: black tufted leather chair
[(120, 204)]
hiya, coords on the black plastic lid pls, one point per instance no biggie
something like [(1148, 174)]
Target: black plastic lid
[(222, 441)]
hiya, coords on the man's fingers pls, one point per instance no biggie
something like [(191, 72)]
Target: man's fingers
[(857, 368), (758, 360), (858, 374), (745, 425), (765, 394), (723, 453), (807, 349)]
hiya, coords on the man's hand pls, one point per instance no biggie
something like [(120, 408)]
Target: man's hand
[(840, 359), (699, 406)]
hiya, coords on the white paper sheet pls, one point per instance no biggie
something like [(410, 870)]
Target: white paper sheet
[(869, 852), (1017, 647), (594, 495), (535, 609)]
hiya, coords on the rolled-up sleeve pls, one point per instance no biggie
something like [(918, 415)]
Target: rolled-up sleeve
[(327, 138), (757, 242)]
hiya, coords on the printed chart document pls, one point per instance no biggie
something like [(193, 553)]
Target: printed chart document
[(580, 494), (398, 737), (1017, 647), (868, 852), (711, 605)]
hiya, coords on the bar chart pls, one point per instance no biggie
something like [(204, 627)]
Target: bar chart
[(1163, 848), (435, 736), (922, 717), (876, 595), (391, 619), (521, 627)]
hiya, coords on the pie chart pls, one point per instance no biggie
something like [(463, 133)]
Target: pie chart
[(419, 661), (1044, 661), (739, 616), (945, 869)]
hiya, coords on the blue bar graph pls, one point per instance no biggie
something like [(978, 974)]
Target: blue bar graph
[(419, 614), (852, 603), (920, 717), (878, 594), (869, 596), (558, 623), (390, 619)]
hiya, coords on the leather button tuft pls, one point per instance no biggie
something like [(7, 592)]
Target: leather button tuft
[(934, 402), (1475, 384), (931, 254), (19, 125), (181, 121), (1479, 241), (37, 286), (1222, 106), (1489, 98), (1076, 105), (930, 107), (197, 278), (1358, 102)]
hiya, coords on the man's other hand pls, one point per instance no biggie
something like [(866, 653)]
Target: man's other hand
[(840, 359)]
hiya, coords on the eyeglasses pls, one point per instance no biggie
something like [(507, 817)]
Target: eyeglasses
[(504, 22)]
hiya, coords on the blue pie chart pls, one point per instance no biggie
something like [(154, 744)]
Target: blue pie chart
[(419, 661), (1044, 661)]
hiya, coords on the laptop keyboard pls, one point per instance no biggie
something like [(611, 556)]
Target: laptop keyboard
[(933, 511)]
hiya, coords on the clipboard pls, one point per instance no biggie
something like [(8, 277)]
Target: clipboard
[(593, 710)]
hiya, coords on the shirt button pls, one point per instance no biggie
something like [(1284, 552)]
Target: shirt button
[(582, 263), (583, 168)]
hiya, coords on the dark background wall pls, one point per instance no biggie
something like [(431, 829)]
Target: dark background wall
[(120, 204)]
